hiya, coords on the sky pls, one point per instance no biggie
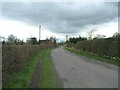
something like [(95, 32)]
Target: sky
[(58, 19)]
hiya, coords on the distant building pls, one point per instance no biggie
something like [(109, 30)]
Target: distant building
[(46, 42)]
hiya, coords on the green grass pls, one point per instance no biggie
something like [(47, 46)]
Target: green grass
[(48, 78), (95, 57), (22, 78)]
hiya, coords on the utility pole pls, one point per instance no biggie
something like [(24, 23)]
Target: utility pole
[(66, 38), (39, 33), (0, 39)]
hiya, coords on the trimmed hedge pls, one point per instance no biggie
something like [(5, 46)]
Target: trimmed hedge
[(108, 47)]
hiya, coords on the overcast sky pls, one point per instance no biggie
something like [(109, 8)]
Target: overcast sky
[(58, 18)]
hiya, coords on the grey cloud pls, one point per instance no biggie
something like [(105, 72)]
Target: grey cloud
[(61, 17)]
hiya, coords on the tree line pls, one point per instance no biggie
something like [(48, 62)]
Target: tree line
[(13, 40)]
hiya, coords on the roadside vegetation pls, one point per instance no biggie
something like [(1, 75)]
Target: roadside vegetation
[(21, 78), (48, 77), (93, 56), (99, 48), (19, 60), (15, 58)]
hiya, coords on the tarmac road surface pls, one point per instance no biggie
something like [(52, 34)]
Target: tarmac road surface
[(81, 72)]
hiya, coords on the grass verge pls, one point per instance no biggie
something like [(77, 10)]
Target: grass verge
[(48, 78), (22, 78), (96, 57)]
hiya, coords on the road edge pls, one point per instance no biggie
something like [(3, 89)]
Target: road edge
[(58, 78)]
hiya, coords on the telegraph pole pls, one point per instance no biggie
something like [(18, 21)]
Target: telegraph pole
[(0, 39), (66, 38), (39, 33)]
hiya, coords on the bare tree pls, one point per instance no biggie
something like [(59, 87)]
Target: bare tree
[(11, 39), (91, 34)]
